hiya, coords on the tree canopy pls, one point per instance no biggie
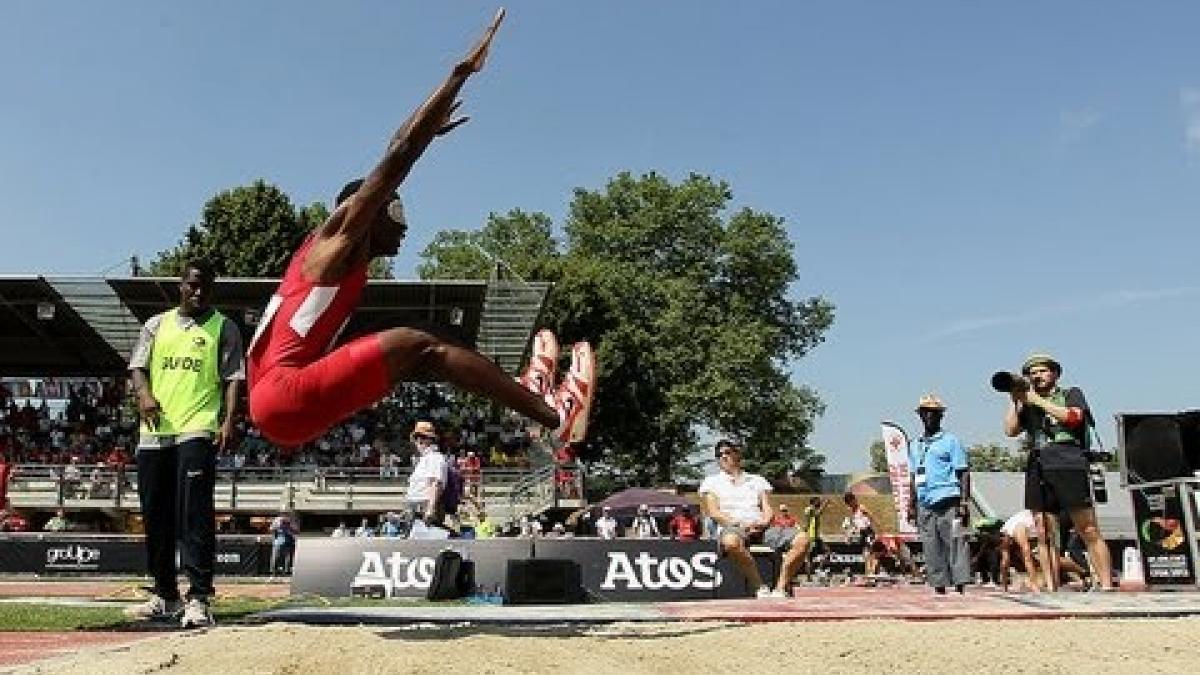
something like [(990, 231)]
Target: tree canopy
[(249, 231), (980, 457), (689, 308)]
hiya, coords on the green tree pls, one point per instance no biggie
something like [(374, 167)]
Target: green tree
[(516, 243), (994, 457), (688, 308), (249, 231)]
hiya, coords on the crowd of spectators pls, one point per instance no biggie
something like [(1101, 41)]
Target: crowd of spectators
[(377, 438), (93, 423), (89, 423)]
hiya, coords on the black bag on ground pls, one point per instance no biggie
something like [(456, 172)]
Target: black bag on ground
[(453, 577)]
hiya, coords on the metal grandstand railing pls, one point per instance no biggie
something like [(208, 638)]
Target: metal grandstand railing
[(248, 490), (555, 486)]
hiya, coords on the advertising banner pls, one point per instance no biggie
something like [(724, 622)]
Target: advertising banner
[(895, 444), (66, 554), (640, 570), (1163, 536), (395, 568)]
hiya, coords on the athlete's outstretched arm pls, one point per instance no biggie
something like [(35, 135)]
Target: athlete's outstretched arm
[(432, 119)]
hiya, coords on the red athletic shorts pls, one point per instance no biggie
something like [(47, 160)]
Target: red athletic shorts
[(294, 405)]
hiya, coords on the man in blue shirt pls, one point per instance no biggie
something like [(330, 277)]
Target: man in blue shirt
[(941, 488)]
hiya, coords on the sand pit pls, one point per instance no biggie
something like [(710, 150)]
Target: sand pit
[(1044, 646)]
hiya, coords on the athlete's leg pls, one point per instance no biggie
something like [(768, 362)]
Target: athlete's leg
[(1084, 519), (1047, 524), (415, 355), (793, 559), (1021, 536)]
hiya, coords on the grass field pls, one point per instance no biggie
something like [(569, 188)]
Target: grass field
[(34, 616)]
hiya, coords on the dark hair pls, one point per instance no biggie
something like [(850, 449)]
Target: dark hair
[(349, 189), (200, 265), (814, 501), (849, 497), (723, 444), (353, 187)]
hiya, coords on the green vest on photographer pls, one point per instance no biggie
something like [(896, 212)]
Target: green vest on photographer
[(1053, 431), (184, 377)]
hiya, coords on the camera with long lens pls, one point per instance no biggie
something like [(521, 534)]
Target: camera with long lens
[(1006, 382)]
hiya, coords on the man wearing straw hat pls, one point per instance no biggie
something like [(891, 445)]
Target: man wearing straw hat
[(941, 488)]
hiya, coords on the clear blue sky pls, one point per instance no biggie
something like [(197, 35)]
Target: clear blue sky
[(966, 181)]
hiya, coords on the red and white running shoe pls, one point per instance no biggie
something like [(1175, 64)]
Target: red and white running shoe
[(573, 400), (540, 374)]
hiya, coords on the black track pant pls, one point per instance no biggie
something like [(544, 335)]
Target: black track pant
[(175, 486)]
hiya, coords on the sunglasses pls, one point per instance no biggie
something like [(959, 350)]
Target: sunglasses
[(423, 437)]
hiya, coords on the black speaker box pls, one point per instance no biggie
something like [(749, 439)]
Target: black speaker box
[(543, 581), (1159, 446)]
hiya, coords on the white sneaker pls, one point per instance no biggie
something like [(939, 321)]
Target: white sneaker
[(573, 400), (154, 609), (763, 592), (197, 614), (540, 374), (778, 594)]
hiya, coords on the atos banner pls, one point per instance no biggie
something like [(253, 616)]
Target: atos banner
[(643, 570), (395, 568)]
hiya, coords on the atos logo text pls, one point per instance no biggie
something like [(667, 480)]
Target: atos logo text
[(378, 575), (646, 572)]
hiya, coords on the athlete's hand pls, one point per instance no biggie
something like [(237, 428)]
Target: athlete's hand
[(473, 63), (450, 124), (149, 408)]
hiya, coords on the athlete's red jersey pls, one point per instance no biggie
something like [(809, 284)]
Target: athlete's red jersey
[(298, 388), (303, 318)]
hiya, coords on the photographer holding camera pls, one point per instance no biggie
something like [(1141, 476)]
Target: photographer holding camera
[(1055, 423)]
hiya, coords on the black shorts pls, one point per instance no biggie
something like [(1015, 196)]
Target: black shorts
[(1055, 490)]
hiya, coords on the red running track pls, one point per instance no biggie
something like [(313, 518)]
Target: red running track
[(18, 648)]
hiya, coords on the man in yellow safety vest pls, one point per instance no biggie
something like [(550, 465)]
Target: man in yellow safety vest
[(186, 368)]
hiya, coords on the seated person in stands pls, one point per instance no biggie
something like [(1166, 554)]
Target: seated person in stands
[(12, 521), (786, 535), (484, 527), (58, 523), (683, 525), (783, 518), (738, 502), (644, 526)]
